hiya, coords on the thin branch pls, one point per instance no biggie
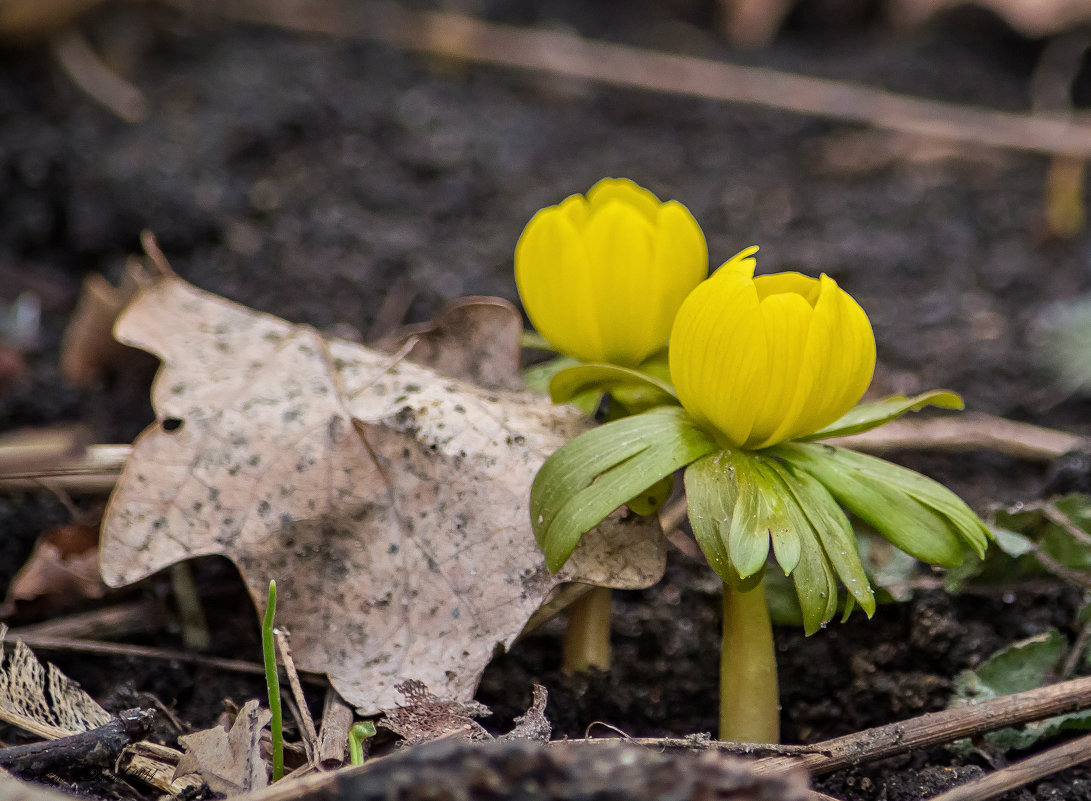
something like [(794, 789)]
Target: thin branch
[(936, 728), (136, 617), (304, 720), (99, 747), (82, 64), (557, 53), (336, 722), (142, 652), (1046, 763), (92, 472), (967, 432)]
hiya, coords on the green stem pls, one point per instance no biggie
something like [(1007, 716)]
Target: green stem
[(357, 734), (587, 638), (272, 682), (749, 700)]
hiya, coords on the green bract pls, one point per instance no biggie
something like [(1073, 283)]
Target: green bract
[(579, 485), (787, 499)]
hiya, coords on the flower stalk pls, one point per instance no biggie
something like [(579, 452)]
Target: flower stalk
[(749, 695), (587, 632)]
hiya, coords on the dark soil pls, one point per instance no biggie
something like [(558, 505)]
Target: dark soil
[(315, 179)]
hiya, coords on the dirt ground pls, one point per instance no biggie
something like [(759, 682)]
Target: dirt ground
[(350, 184)]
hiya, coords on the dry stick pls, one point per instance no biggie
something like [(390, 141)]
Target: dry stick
[(462, 37), (98, 747), (968, 432), (1065, 755), (301, 710), (137, 617), (93, 472), (938, 727), (143, 652), (336, 722), (80, 62)]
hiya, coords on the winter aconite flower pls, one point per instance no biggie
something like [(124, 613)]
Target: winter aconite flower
[(767, 359), (760, 368), (601, 276)]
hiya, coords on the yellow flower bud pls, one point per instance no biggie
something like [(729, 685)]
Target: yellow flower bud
[(602, 276), (763, 360)]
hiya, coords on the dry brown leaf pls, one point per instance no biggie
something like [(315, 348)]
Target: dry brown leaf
[(229, 762), (62, 568), (88, 349), (533, 725), (474, 338), (423, 717), (389, 502)]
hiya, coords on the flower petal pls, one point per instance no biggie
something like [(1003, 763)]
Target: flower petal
[(843, 343), (624, 191), (836, 367), (554, 281), (681, 263), (718, 354), (618, 242), (787, 320)]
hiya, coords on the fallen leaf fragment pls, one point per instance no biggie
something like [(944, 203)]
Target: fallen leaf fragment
[(40, 699), (388, 501), (424, 717), (88, 349), (533, 725), (474, 338), (229, 762), (62, 569)]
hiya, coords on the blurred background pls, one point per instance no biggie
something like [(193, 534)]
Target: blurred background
[(332, 163)]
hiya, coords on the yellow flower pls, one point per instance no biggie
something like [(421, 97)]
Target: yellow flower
[(602, 276), (767, 359)]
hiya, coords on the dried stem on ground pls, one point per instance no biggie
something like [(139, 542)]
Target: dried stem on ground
[(137, 617), (937, 728), (468, 39), (300, 708), (336, 722), (1050, 761), (98, 747), (142, 652), (82, 64)]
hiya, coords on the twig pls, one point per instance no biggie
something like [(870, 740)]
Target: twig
[(92, 472), (967, 432), (1052, 760), (99, 747), (461, 37), (138, 617), (1075, 655), (304, 720), (703, 742), (85, 68), (938, 727), (143, 652), (336, 721)]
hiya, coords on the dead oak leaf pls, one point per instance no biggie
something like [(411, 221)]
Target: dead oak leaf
[(389, 502), (229, 762)]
